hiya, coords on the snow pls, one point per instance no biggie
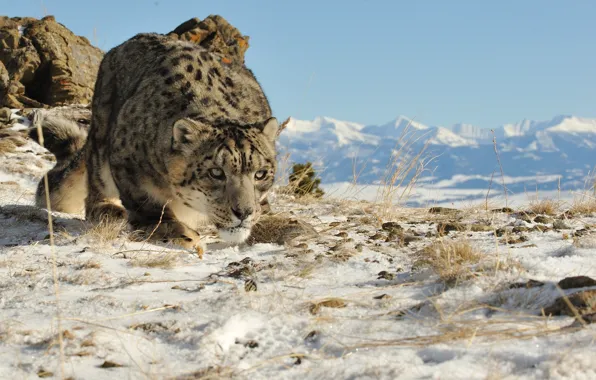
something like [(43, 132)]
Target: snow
[(194, 318), (342, 132)]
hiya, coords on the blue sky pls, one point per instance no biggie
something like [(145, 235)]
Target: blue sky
[(442, 62)]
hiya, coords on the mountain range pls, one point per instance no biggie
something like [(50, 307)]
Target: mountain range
[(532, 154)]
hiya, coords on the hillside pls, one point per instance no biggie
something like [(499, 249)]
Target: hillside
[(378, 292)]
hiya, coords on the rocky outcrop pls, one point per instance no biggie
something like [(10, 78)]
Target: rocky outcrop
[(47, 64), (42, 63), (215, 34)]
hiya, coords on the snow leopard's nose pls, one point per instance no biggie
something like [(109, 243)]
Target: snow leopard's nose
[(242, 213)]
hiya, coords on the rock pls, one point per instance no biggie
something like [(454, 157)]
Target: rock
[(5, 114), (392, 227), (384, 275), (445, 227), (442, 210), (584, 302), (560, 225), (541, 228), (516, 239), (585, 319), (518, 229), (525, 217), (46, 63), (215, 34), (480, 228), (542, 219), (410, 239), (528, 285), (377, 236), (500, 231), (507, 210), (576, 282), (4, 82), (383, 296)]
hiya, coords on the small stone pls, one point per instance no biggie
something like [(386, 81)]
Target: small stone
[(576, 282), (342, 234), (560, 225), (382, 297), (385, 275), (507, 210), (391, 227), (410, 239), (518, 229), (312, 336), (377, 236), (543, 219), (110, 364), (480, 228), (528, 285), (446, 227), (442, 210), (43, 373), (334, 224), (250, 285), (5, 114), (516, 240), (541, 228), (584, 302), (500, 231)]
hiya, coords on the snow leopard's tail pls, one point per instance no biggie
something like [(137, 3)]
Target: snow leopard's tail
[(68, 179)]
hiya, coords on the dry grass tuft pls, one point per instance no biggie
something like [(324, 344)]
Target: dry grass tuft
[(106, 231), (83, 277), (451, 261), (280, 229), (545, 206), (406, 165), (583, 204), (334, 303), (89, 264), (165, 260)]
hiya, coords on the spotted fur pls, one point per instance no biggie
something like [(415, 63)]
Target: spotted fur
[(167, 118)]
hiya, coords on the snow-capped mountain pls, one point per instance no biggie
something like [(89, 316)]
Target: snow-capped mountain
[(464, 154)]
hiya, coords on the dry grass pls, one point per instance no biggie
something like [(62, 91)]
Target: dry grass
[(451, 261), (106, 231), (545, 206), (403, 170), (164, 260), (83, 277), (586, 241), (583, 204), (89, 264)]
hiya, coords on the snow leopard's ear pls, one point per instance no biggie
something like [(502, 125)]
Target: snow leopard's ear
[(186, 132), (270, 128)]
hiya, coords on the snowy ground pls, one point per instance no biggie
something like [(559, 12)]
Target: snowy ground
[(355, 302)]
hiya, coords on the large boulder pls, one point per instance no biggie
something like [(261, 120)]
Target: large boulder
[(47, 63), (215, 34)]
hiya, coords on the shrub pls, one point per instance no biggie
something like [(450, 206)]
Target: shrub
[(303, 180)]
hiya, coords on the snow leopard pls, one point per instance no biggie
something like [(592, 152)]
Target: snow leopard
[(178, 136)]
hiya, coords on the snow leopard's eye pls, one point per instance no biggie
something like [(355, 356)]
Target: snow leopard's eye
[(261, 175), (217, 173)]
